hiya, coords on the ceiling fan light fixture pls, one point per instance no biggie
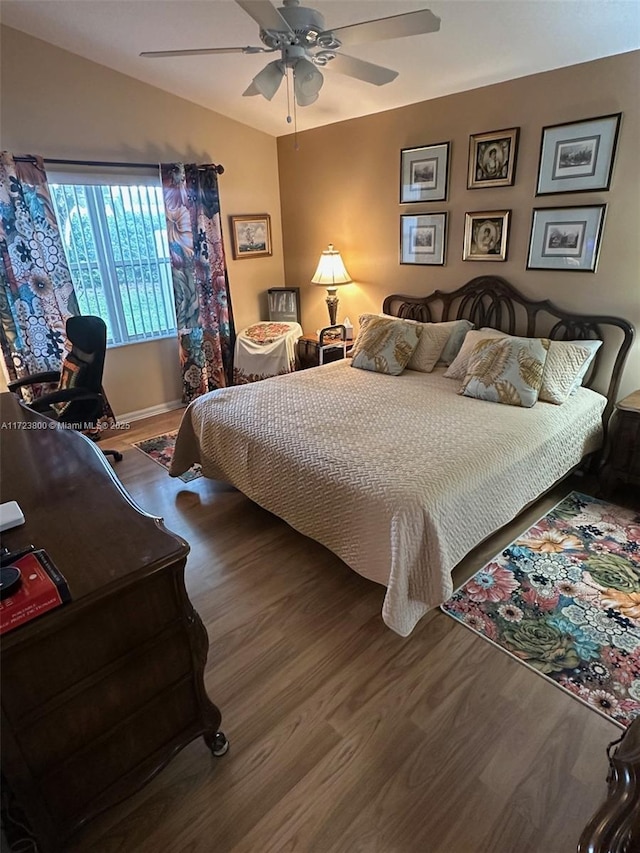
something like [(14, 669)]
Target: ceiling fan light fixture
[(268, 81), (307, 82)]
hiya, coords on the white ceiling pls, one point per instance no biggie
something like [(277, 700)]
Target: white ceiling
[(479, 42)]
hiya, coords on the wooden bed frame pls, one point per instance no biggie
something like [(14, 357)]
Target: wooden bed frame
[(491, 301)]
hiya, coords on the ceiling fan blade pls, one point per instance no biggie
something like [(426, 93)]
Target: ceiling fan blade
[(203, 51), (265, 14), (361, 70), (397, 26)]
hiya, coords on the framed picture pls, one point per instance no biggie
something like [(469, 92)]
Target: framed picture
[(485, 235), (251, 235), (284, 304), (566, 238), (492, 158), (578, 156), (424, 173), (422, 238)]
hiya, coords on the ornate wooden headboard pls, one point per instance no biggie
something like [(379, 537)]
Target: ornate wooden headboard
[(491, 301)]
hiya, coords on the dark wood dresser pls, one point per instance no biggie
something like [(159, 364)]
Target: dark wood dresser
[(621, 461), (615, 827), (100, 693)]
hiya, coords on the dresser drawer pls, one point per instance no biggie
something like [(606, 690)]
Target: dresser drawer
[(34, 672), (158, 728), (85, 712)]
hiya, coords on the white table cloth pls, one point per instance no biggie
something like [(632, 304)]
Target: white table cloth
[(265, 349)]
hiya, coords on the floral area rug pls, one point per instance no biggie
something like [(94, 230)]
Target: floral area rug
[(160, 448), (564, 598)]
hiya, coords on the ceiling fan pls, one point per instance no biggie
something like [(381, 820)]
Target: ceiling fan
[(299, 34)]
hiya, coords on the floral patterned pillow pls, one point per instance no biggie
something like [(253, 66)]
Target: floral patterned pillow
[(458, 367), (385, 346), (506, 370), (435, 339)]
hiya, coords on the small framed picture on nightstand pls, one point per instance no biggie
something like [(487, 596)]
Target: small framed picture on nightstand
[(284, 304)]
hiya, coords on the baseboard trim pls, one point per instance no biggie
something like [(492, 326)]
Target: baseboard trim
[(150, 411)]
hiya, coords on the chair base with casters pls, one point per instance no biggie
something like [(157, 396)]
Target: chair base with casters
[(78, 402)]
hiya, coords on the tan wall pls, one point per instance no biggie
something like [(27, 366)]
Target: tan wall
[(57, 104), (342, 186)]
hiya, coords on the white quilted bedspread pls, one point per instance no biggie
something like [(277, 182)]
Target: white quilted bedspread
[(400, 476)]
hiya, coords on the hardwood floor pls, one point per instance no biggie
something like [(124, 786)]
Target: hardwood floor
[(346, 738)]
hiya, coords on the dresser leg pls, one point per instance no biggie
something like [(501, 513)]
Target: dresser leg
[(217, 743)]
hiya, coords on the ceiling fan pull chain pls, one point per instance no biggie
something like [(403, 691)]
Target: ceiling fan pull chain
[(286, 74)]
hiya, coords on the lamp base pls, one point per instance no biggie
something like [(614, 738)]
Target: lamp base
[(332, 305)]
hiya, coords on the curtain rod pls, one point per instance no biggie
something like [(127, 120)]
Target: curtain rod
[(106, 163)]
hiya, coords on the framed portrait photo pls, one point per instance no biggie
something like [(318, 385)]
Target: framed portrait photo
[(492, 158), (485, 235), (566, 238), (424, 173), (423, 238), (578, 156), (251, 235)]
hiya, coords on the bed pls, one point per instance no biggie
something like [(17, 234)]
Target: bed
[(423, 474)]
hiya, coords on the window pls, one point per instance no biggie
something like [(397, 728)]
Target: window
[(115, 239)]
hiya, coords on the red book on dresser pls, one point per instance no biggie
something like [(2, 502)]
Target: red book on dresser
[(41, 589)]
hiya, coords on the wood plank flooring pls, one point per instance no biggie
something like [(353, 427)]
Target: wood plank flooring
[(346, 738)]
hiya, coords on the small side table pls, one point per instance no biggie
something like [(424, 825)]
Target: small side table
[(621, 460), (309, 350)]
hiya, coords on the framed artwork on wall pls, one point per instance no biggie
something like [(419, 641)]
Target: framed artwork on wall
[(492, 158), (424, 173), (251, 235), (485, 235), (578, 156), (566, 238), (423, 238)]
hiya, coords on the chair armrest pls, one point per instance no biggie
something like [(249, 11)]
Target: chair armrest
[(63, 395), (34, 379)]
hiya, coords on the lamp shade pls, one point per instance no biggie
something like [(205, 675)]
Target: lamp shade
[(267, 82), (307, 82), (331, 270), (331, 273)]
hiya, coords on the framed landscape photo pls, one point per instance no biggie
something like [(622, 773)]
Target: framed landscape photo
[(492, 158), (485, 235), (424, 173), (566, 238), (423, 238), (251, 235), (578, 156)]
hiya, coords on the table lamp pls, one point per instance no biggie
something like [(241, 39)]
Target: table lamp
[(331, 273)]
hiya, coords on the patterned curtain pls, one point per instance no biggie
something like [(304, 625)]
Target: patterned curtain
[(201, 289), (36, 291)]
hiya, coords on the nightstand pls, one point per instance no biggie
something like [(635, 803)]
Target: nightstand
[(622, 452), (309, 348)]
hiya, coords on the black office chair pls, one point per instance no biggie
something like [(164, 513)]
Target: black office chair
[(78, 401)]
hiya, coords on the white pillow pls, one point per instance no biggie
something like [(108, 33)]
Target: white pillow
[(431, 342), (566, 364), (428, 352), (459, 329), (593, 347)]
